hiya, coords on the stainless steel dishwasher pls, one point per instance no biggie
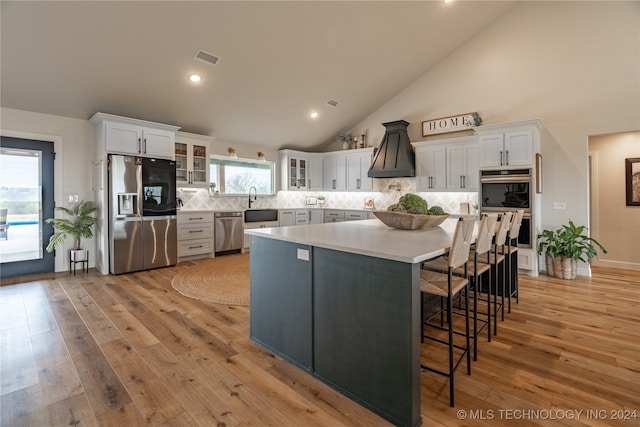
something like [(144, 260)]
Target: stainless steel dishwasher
[(228, 231)]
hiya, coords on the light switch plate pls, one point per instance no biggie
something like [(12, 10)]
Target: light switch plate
[(559, 205)]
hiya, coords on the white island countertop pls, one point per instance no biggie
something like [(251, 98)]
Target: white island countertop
[(368, 237)]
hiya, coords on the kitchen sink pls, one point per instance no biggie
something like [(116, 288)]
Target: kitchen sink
[(260, 215)]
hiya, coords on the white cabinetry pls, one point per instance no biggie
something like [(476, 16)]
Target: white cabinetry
[(316, 216), (192, 160), (331, 215), (195, 235), (334, 171), (462, 166), (294, 217), (294, 170), (122, 135), (287, 218), (358, 163), (447, 165), (431, 171), (315, 181), (251, 225), (508, 145)]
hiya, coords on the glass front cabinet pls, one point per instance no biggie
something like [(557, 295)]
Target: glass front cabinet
[(192, 160), (295, 173)]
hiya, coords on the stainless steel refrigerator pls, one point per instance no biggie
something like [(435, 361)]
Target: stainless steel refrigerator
[(142, 211)]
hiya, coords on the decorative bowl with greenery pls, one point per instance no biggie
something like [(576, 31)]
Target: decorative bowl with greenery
[(565, 247), (79, 226)]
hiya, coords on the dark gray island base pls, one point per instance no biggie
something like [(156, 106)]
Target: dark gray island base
[(350, 320)]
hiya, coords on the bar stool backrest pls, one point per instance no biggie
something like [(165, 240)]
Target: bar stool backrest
[(503, 228), (459, 252), (485, 233), (514, 229)]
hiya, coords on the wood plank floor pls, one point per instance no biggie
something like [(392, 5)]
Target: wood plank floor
[(93, 350)]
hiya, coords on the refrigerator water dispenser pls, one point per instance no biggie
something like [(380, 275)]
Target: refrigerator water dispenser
[(127, 204)]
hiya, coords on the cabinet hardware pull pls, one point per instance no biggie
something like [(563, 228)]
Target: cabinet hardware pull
[(358, 183), (192, 218), (145, 146), (139, 145), (500, 157), (195, 247), (507, 157), (196, 231)]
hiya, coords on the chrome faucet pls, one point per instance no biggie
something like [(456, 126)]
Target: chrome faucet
[(255, 195)]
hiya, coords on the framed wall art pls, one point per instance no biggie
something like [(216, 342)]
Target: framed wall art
[(538, 173), (632, 178)]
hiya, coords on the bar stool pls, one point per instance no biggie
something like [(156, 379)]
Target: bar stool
[(475, 271), (510, 251), (496, 261), (447, 286)]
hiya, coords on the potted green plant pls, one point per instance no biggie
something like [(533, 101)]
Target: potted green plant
[(78, 226), (321, 200), (563, 248)]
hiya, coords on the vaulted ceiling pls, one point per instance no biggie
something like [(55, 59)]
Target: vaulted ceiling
[(278, 61)]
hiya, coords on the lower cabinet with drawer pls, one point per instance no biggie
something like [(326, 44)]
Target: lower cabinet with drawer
[(331, 215), (195, 235)]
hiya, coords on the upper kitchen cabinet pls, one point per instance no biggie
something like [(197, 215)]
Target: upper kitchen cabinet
[(122, 135), (192, 160), (334, 170), (508, 145), (462, 165), (447, 164), (294, 168), (315, 173), (358, 164), (431, 173)]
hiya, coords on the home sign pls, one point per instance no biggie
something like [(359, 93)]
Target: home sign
[(450, 124)]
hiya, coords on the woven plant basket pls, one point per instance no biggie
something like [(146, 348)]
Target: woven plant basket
[(562, 267)]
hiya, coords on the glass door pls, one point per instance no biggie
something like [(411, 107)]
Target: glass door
[(26, 200)]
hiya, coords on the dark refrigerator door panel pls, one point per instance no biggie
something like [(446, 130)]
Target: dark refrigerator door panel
[(160, 242), (126, 253), (158, 187)]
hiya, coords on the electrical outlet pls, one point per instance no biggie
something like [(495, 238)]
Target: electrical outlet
[(559, 205)]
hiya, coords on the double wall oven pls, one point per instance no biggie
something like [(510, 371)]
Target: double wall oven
[(503, 190)]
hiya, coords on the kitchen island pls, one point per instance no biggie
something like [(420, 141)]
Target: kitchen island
[(342, 301)]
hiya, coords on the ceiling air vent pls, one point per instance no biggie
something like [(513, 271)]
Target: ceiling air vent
[(207, 57), (332, 103)]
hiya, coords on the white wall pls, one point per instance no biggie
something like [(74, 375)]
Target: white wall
[(574, 65)]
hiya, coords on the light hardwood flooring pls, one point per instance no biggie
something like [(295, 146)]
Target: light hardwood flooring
[(128, 350)]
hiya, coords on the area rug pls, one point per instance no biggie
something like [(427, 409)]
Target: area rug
[(220, 280)]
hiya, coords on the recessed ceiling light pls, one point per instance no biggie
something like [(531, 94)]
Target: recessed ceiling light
[(194, 78), (313, 114)]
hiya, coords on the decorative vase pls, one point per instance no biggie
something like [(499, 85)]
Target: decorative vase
[(346, 145), (77, 255), (562, 267)]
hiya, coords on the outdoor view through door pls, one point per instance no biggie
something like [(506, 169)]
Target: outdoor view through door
[(26, 200)]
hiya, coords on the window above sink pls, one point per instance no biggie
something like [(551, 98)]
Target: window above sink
[(229, 176)]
